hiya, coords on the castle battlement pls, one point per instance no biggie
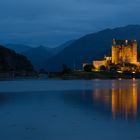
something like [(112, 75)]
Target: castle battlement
[(121, 43)]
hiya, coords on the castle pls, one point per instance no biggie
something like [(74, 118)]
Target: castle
[(123, 51)]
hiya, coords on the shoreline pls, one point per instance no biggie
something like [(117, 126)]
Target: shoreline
[(94, 75), (76, 75)]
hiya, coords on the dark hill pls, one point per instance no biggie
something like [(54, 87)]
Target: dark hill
[(10, 60)]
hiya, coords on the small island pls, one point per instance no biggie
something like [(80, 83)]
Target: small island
[(122, 64)]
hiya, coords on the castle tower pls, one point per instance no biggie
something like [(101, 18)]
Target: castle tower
[(124, 51), (134, 52)]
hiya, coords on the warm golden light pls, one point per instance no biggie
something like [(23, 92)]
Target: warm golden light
[(122, 99), (120, 71), (133, 72), (124, 51)]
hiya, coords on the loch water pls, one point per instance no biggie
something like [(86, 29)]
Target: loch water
[(70, 109)]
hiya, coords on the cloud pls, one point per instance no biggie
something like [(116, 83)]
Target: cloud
[(55, 21)]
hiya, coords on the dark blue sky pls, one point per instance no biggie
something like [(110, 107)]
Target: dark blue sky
[(53, 22)]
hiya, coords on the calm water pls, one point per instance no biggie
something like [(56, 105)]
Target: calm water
[(70, 110)]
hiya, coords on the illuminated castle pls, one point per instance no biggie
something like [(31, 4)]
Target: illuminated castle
[(124, 51)]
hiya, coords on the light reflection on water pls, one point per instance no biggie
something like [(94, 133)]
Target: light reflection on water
[(123, 99)]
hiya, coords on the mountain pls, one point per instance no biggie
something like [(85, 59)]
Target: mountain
[(38, 56), (19, 48), (10, 60), (90, 47), (58, 49)]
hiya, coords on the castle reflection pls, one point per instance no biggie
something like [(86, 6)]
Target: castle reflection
[(121, 99)]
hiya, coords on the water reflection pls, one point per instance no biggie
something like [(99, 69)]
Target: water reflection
[(115, 99), (123, 99)]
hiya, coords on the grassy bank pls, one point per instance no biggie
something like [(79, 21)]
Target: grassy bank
[(95, 75)]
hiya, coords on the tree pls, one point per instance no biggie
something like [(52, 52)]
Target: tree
[(102, 68), (66, 69), (112, 67), (89, 68)]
